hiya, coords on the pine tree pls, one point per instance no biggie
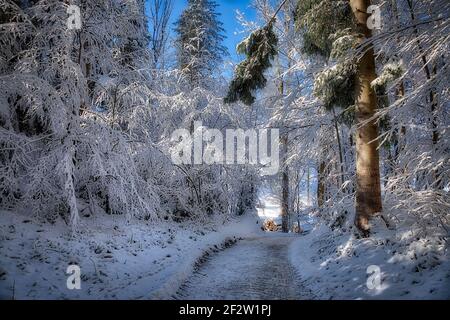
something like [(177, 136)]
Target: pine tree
[(368, 191), (331, 30), (135, 41), (199, 41), (260, 49)]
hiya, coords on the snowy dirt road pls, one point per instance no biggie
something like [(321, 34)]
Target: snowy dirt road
[(255, 268)]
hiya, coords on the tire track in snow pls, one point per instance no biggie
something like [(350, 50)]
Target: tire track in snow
[(255, 268)]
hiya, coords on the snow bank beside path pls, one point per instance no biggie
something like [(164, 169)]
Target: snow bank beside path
[(334, 266), (138, 260), (245, 227)]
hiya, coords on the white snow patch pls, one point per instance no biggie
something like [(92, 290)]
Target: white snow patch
[(334, 265), (118, 260)]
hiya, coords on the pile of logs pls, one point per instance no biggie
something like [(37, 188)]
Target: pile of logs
[(270, 225)]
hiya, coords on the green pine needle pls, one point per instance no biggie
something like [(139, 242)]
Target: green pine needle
[(260, 49)]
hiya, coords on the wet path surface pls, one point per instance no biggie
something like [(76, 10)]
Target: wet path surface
[(256, 268)]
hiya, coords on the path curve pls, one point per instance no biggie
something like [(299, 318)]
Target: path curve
[(254, 268)]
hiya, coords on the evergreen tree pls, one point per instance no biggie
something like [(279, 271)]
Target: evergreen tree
[(199, 42), (368, 191), (260, 49), (331, 30), (133, 45)]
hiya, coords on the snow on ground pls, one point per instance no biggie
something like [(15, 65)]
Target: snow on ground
[(137, 260), (143, 259), (265, 273), (334, 265)]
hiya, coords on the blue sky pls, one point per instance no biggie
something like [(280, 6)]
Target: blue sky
[(227, 9)]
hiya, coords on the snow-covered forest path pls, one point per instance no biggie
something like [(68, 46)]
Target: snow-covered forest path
[(255, 268)]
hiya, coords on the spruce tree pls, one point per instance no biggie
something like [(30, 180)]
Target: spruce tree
[(259, 49), (331, 29), (199, 41)]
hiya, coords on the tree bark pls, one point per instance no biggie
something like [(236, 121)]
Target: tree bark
[(368, 193), (284, 186), (341, 158), (321, 184), (432, 94), (285, 169), (308, 186)]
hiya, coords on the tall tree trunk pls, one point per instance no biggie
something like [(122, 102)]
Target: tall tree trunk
[(368, 193), (341, 158), (321, 184), (285, 169), (399, 141), (432, 94), (426, 68), (284, 186), (308, 186)]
